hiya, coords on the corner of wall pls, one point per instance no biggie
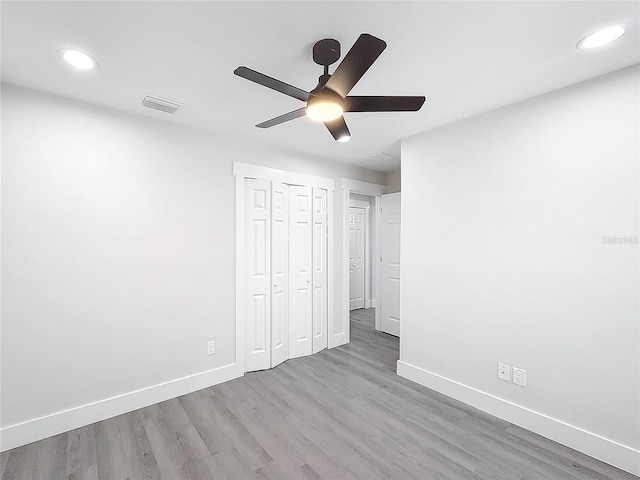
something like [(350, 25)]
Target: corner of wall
[(613, 453), (13, 436)]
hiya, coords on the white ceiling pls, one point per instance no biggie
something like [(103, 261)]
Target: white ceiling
[(466, 57)]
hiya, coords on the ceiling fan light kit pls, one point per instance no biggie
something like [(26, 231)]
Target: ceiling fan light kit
[(328, 101), (324, 107)]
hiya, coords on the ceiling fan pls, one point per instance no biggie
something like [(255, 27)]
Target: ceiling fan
[(329, 100)]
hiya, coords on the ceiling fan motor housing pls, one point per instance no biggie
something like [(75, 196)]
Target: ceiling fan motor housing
[(326, 52), (324, 94)]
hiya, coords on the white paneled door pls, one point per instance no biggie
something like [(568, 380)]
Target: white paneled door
[(279, 273), (320, 276), (286, 272), (390, 263), (257, 274), (300, 271), (356, 257)]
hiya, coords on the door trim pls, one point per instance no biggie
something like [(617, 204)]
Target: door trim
[(246, 170)]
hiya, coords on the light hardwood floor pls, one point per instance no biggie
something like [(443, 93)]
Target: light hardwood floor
[(340, 414)]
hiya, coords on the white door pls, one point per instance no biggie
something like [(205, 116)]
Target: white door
[(390, 263), (258, 278), (279, 273), (320, 277), (300, 271), (356, 257)]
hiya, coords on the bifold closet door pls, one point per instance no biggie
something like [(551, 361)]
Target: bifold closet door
[(300, 271), (257, 274), (320, 276), (279, 273)]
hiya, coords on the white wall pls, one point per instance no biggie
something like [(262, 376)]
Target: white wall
[(117, 258), (503, 260), (393, 181)]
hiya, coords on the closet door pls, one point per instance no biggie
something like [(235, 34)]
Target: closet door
[(320, 299), (300, 271), (279, 273), (257, 274)]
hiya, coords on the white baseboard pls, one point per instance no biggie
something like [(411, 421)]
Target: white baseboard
[(613, 453), (38, 428)]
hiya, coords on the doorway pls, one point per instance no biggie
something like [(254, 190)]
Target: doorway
[(360, 237), (373, 194), (356, 191)]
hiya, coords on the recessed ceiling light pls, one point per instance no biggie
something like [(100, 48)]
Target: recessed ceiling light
[(78, 59), (344, 138), (601, 37)]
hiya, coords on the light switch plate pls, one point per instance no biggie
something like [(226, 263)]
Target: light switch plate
[(504, 372)]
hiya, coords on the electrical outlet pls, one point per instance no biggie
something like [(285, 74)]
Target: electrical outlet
[(211, 347), (504, 372), (520, 377)]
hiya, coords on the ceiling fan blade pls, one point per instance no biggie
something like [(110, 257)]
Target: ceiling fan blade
[(338, 129), (383, 104), (355, 63), (301, 112), (272, 83)]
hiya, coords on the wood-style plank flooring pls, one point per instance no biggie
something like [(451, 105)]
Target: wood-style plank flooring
[(340, 414)]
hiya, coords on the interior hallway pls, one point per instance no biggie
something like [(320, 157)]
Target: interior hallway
[(342, 413)]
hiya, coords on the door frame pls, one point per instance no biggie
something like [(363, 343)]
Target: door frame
[(246, 170), (341, 332)]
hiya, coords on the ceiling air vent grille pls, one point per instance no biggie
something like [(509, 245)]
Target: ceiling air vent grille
[(381, 160), (161, 104)]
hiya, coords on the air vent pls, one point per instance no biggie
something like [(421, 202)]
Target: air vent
[(161, 104), (381, 158)]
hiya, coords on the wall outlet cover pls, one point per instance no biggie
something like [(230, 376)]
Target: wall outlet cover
[(519, 377)]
